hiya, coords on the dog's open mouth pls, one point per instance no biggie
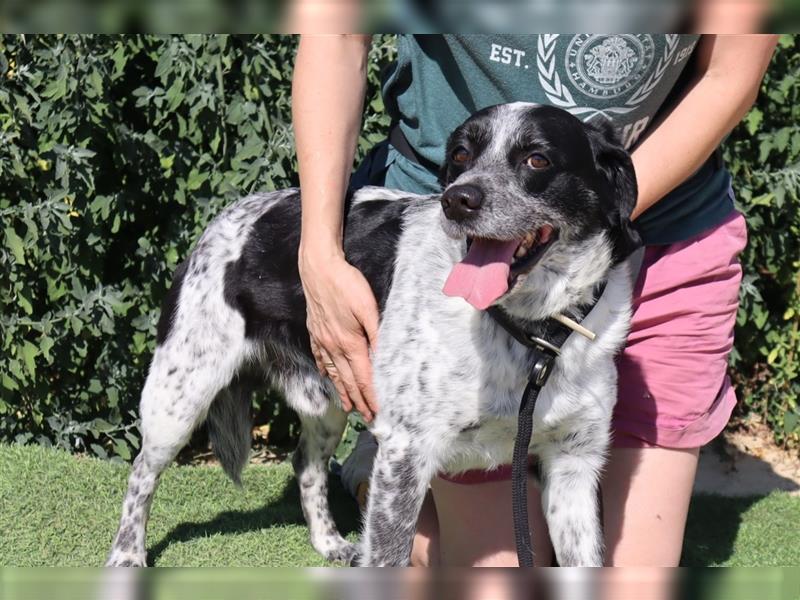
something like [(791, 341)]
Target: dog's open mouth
[(531, 249), (491, 267)]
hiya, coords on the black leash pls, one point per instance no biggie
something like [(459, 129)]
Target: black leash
[(544, 356), (519, 461), (544, 339)]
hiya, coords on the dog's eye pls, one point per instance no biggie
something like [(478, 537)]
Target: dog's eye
[(537, 161), (461, 155)]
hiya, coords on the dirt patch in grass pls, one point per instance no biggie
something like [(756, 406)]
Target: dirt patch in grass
[(746, 461), (198, 452)]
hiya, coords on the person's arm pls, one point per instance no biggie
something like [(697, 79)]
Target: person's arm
[(729, 73), (328, 89)]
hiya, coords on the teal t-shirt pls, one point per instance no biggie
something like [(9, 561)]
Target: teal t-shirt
[(439, 80)]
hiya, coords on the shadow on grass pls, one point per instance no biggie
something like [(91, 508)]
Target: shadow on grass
[(712, 527), (285, 511), (714, 520)]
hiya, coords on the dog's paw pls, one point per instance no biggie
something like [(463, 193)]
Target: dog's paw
[(356, 561), (126, 560), (345, 553)]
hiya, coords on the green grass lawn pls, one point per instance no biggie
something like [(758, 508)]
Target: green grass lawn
[(61, 510)]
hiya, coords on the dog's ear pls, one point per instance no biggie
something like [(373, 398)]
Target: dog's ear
[(618, 187)]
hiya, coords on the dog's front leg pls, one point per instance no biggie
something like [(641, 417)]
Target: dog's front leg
[(570, 504), (400, 477)]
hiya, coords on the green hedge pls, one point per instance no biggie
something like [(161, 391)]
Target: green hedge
[(763, 154), (116, 151)]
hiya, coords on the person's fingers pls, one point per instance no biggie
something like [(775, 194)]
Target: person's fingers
[(349, 381), (369, 319), (360, 361), (332, 373), (317, 354), (361, 366), (351, 374)]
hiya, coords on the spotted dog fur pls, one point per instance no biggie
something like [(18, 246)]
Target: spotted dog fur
[(448, 379)]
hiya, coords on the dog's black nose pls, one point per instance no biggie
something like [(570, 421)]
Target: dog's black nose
[(460, 201)]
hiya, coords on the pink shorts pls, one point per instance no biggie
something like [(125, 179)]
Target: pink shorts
[(674, 390)]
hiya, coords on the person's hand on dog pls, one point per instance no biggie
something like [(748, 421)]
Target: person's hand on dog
[(342, 321)]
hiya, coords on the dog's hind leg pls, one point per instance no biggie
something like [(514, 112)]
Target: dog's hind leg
[(400, 477), (176, 397), (320, 435), (128, 549)]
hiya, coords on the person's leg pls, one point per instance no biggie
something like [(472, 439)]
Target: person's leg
[(471, 525), (646, 493), (674, 392), (425, 551)]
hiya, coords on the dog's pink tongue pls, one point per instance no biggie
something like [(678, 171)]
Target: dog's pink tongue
[(482, 277)]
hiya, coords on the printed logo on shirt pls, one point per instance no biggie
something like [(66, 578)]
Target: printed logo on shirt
[(604, 66), (619, 70)]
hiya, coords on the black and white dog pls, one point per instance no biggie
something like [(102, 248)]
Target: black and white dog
[(534, 218)]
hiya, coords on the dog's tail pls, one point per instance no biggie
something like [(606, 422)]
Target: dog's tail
[(229, 426)]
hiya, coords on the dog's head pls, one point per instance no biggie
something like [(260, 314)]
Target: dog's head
[(534, 189)]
